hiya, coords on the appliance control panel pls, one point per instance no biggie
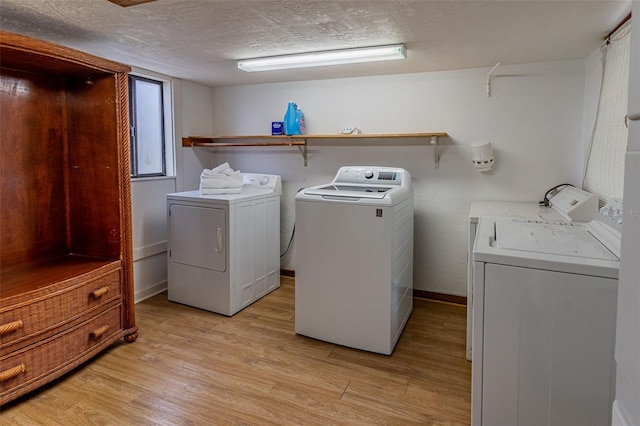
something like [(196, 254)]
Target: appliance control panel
[(369, 175), (575, 204), (261, 181)]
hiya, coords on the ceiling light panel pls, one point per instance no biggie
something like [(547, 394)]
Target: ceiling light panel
[(329, 57)]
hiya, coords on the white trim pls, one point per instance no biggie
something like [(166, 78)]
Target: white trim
[(177, 121), (152, 178), (149, 250), (140, 72), (150, 291)]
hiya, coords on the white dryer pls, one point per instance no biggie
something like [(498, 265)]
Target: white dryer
[(223, 250), (354, 258), (544, 317)]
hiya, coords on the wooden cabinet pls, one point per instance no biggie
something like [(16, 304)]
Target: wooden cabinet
[(66, 280)]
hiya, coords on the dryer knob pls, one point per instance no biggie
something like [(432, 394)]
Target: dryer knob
[(368, 174), (264, 180)]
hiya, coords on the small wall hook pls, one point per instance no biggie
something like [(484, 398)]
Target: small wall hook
[(489, 79)]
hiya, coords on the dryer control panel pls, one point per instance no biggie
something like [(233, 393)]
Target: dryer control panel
[(262, 181), (370, 175)]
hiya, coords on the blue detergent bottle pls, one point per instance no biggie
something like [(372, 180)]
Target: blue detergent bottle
[(302, 126), (291, 126)]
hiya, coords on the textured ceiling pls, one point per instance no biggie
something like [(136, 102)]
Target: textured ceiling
[(200, 40)]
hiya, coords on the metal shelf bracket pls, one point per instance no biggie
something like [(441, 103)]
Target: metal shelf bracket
[(303, 150), (436, 154)]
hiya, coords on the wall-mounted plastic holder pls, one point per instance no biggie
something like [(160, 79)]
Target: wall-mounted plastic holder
[(482, 156)]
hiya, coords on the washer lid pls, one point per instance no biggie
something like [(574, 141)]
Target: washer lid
[(246, 194), (555, 246), (566, 239), (351, 191)]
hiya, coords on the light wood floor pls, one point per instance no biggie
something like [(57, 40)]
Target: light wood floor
[(194, 367)]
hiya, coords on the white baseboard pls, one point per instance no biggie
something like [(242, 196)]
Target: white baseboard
[(149, 292)]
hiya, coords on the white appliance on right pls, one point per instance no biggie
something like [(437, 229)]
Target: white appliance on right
[(567, 203), (544, 317), (626, 407)]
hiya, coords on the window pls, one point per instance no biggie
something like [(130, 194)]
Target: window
[(150, 121), (604, 173)]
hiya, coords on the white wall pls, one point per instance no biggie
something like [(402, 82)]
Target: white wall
[(534, 119), (149, 222), (193, 110), (196, 112)]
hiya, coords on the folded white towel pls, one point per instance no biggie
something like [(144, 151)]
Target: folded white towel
[(220, 182), (221, 170), (216, 170), (223, 177)]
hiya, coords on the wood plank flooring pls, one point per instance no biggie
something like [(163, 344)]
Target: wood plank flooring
[(194, 367)]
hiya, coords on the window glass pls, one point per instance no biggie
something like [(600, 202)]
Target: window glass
[(147, 127)]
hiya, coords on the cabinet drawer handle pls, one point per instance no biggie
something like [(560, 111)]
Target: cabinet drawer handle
[(10, 326), (99, 292), (99, 332), (12, 372)]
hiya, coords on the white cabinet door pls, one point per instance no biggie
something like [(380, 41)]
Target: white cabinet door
[(197, 236), (548, 347)]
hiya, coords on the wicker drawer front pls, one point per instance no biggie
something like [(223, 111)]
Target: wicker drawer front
[(28, 368), (23, 324)]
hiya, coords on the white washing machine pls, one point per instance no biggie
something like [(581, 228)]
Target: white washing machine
[(566, 204), (224, 250), (544, 317), (354, 258)]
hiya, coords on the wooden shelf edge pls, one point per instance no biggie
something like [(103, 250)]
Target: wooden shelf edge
[(232, 144), (378, 136), (209, 141)]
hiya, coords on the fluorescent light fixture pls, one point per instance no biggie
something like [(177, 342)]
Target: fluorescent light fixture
[(329, 57)]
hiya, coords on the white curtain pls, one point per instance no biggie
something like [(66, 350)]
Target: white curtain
[(604, 172)]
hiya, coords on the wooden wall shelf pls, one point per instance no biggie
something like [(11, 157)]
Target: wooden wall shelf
[(299, 140)]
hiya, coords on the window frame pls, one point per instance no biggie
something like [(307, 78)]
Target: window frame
[(168, 149)]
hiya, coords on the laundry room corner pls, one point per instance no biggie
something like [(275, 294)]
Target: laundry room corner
[(533, 119)]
